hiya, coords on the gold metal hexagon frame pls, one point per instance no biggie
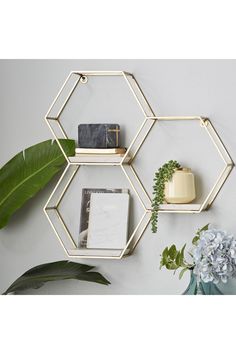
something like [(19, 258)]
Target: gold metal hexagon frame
[(184, 208), (72, 81), (51, 208), (64, 234)]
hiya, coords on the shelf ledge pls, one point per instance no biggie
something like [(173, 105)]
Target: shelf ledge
[(103, 159), (180, 208)]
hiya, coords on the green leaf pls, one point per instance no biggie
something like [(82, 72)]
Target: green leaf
[(36, 277), (172, 252), (178, 258), (182, 272), (182, 254), (164, 257), (165, 253), (204, 228), (163, 175), (195, 240), (171, 266), (28, 172)]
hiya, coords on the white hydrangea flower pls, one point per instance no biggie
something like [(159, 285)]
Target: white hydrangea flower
[(215, 256)]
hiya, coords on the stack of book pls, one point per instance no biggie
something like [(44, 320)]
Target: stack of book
[(98, 155)]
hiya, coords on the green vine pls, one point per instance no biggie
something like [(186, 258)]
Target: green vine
[(164, 174)]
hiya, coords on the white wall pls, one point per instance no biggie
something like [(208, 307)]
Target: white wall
[(173, 87)]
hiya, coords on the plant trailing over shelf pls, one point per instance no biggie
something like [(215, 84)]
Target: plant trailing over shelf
[(28, 172), (163, 175), (36, 277)]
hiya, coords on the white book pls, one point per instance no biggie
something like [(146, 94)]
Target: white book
[(100, 151), (79, 158), (108, 220)]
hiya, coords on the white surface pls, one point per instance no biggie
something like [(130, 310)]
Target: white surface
[(174, 207), (98, 159), (95, 252), (108, 220), (89, 151)]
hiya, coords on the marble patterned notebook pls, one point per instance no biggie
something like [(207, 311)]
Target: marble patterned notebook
[(85, 209), (99, 136), (108, 220)]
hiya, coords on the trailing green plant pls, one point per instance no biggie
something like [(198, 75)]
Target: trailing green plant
[(163, 175), (174, 259), (36, 277), (28, 172)]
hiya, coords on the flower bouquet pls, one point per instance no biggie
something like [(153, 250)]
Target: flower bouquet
[(213, 260)]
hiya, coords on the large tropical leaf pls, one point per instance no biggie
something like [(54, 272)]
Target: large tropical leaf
[(28, 172), (36, 277)]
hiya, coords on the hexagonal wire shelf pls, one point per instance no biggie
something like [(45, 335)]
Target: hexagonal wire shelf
[(51, 208), (184, 208)]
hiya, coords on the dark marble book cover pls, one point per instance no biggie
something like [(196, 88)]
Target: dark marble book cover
[(103, 136), (85, 208)]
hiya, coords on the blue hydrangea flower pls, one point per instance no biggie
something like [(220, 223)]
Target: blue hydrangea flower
[(215, 256)]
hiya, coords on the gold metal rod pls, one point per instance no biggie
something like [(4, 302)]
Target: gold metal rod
[(216, 138), (140, 235), (141, 184), (133, 235), (176, 118), (52, 118), (134, 189), (57, 140), (142, 141), (133, 141), (50, 208), (55, 231), (136, 97), (66, 187), (213, 190), (216, 188), (144, 97), (127, 73), (62, 130), (212, 138), (213, 197), (98, 73), (68, 97), (66, 228), (60, 91), (55, 188)]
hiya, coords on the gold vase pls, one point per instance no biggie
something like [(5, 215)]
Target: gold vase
[(181, 188)]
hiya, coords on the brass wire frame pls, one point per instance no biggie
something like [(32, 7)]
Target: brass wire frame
[(150, 119)]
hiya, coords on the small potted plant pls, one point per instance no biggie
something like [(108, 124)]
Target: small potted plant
[(172, 184), (213, 261)]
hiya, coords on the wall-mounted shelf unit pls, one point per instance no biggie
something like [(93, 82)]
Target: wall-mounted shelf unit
[(207, 127), (52, 207)]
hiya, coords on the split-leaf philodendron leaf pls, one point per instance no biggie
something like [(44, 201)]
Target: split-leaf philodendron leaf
[(28, 172), (36, 277)]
